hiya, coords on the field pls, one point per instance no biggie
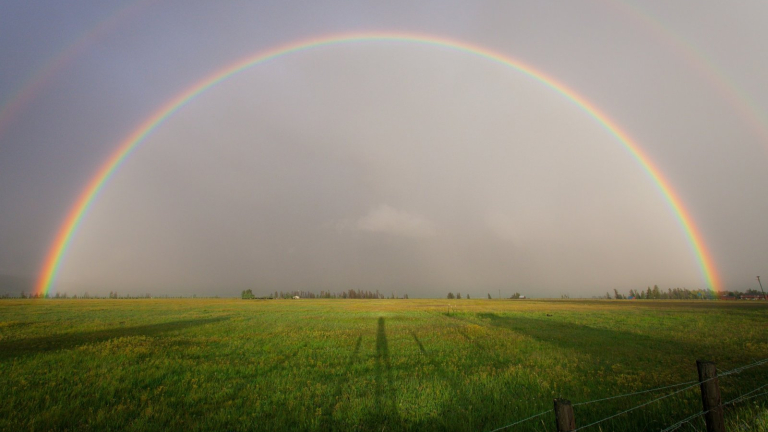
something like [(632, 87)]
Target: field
[(384, 365)]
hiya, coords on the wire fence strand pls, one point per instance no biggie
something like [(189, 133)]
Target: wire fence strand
[(726, 373), (683, 421), (729, 372), (735, 400), (690, 385), (751, 397), (742, 368), (635, 393), (640, 406), (744, 396)]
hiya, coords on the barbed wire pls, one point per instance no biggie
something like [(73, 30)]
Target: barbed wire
[(735, 400), (683, 421), (635, 393), (744, 396), (742, 368), (729, 372), (642, 405), (691, 384), (726, 373)]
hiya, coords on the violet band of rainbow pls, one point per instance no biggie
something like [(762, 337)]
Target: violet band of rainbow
[(70, 225)]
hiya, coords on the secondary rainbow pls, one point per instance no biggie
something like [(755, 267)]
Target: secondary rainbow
[(34, 86), (744, 105), (58, 249)]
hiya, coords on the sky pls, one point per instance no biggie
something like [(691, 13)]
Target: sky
[(385, 165)]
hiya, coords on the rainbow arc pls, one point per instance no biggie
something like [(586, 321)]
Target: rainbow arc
[(75, 216)]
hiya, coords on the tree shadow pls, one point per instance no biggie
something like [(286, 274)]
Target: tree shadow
[(453, 414), (491, 356), (43, 344), (611, 346), (440, 370), (385, 412)]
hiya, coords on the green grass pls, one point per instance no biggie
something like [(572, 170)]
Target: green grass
[(368, 364)]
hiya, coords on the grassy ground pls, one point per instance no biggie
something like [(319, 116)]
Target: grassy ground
[(369, 364)]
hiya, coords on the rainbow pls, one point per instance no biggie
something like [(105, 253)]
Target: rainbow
[(34, 85), (58, 249), (747, 109)]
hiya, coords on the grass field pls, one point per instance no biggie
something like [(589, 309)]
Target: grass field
[(206, 364)]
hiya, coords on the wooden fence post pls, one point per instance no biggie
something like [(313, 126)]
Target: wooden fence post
[(564, 418), (710, 396)]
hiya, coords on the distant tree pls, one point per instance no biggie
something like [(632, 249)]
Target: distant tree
[(467, 296), (607, 295), (248, 294), (406, 297), (489, 296), (656, 293), (515, 296), (617, 296), (458, 296), (450, 295)]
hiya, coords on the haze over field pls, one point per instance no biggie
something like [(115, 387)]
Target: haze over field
[(389, 165)]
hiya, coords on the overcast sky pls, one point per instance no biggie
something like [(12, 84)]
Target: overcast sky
[(393, 166)]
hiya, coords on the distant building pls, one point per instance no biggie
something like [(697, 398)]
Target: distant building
[(752, 297), (296, 297)]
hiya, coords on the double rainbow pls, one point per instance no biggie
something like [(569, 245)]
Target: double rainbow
[(74, 218)]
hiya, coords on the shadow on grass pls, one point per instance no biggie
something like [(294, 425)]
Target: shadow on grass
[(30, 346), (453, 414), (385, 412), (602, 344), (489, 355)]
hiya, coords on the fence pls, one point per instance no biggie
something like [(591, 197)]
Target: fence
[(712, 406)]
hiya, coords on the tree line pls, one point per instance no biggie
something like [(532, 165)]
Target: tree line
[(349, 294), (677, 294), (457, 296)]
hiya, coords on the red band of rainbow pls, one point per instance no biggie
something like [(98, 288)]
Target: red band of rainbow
[(69, 227)]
